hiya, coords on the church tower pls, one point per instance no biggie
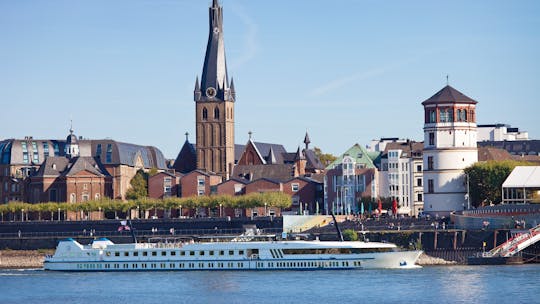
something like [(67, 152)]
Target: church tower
[(449, 147), (214, 102)]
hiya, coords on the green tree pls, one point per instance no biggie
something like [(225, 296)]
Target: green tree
[(486, 179), (139, 186), (325, 158), (350, 235)]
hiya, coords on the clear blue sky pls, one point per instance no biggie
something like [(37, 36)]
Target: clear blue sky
[(347, 71)]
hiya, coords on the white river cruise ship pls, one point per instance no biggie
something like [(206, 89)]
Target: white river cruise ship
[(171, 255)]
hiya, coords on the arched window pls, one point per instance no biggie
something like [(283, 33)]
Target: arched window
[(463, 115), (204, 114), (73, 198), (216, 113)]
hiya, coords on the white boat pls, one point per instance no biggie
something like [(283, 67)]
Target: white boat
[(104, 255)]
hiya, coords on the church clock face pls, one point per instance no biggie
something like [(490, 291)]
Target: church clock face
[(210, 92)]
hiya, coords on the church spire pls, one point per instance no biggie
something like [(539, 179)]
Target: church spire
[(214, 80)]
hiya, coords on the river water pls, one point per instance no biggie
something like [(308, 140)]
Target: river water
[(443, 284)]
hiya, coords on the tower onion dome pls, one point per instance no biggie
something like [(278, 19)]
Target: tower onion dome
[(71, 138)]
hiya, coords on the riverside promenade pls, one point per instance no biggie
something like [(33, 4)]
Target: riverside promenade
[(27, 241)]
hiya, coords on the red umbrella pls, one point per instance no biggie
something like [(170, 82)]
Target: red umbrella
[(394, 207), (380, 206)]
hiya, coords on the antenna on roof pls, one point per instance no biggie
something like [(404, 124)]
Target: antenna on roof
[(250, 133), (187, 134), (446, 79)]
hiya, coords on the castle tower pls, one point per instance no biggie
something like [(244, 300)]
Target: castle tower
[(449, 147), (214, 101)]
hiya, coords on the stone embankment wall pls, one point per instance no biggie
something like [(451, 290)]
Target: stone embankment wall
[(18, 259)]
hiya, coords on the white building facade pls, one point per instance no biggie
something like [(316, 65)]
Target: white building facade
[(401, 176), (450, 137)]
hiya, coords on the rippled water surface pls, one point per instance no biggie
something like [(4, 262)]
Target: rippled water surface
[(454, 284)]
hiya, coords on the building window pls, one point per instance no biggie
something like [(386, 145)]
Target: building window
[(295, 187), (108, 158), (446, 115), (98, 151), (200, 181), (52, 195), (97, 196), (431, 138), (216, 113), (432, 116), (419, 197), (200, 192), (56, 149), (430, 162), (45, 149), (204, 114), (418, 168), (419, 182), (430, 186), (85, 197), (25, 152), (72, 198)]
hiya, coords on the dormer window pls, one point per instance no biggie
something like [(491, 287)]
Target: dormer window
[(54, 166)]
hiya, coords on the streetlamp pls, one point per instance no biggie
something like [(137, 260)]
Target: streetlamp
[(265, 212), (58, 214), (138, 213), (180, 211), (22, 215), (220, 210), (99, 212)]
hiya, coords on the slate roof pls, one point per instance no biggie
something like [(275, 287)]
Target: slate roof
[(278, 172), (122, 153), (449, 95), (63, 166), (186, 160), (491, 153), (313, 162), (515, 146)]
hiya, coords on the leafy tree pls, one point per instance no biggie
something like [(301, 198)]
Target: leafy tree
[(350, 235), (486, 179), (139, 186), (325, 158)]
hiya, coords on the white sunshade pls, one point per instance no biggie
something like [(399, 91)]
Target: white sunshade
[(523, 177)]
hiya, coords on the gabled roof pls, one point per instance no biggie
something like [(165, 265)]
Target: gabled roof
[(264, 149), (523, 177), (85, 163), (62, 166), (449, 95), (358, 153), (280, 172)]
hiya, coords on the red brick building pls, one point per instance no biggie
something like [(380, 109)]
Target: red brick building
[(163, 185), (198, 183)]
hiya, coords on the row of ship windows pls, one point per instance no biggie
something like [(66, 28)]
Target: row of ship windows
[(311, 264), (174, 253)]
